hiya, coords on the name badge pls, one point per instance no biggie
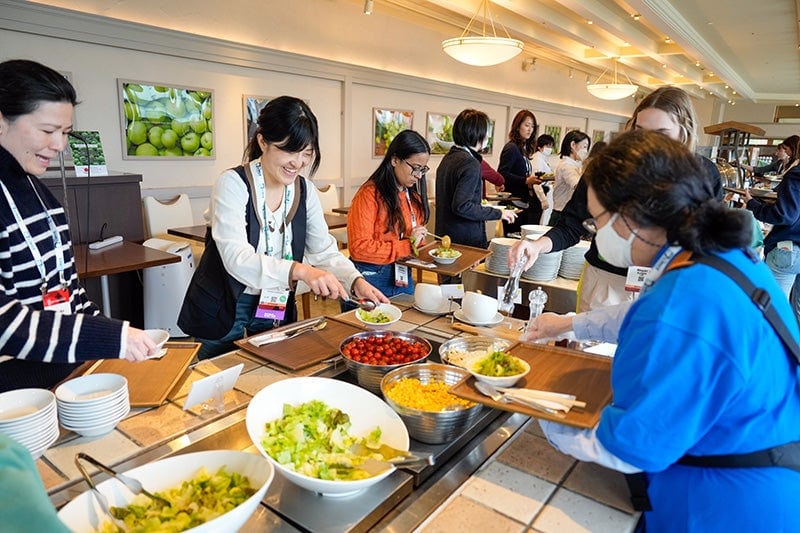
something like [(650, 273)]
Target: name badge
[(635, 278), (400, 275), (57, 300), (272, 304)]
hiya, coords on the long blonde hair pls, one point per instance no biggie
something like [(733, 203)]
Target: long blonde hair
[(677, 103)]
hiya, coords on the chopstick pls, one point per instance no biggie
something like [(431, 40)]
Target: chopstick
[(533, 394)]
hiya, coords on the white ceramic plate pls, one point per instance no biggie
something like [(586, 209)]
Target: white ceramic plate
[(444, 309), (366, 411), (393, 312), (459, 314)]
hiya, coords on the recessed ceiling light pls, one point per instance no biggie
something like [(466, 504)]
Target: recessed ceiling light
[(590, 22), (667, 40), (697, 63), (635, 16)]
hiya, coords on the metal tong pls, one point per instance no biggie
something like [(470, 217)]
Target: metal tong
[(511, 287), (133, 485)]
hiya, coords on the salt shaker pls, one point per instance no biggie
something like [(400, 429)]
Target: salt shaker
[(536, 300)]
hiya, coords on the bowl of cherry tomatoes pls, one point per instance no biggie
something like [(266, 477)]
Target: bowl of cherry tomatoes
[(370, 355)]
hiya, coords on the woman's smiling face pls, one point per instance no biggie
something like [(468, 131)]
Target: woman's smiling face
[(36, 138), (281, 167)]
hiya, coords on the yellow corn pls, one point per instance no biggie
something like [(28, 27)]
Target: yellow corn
[(433, 396)]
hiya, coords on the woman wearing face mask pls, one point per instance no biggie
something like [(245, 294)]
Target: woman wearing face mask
[(540, 165), (388, 214), (667, 110), (574, 149), (703, 385), (515, 166), (267, 233)]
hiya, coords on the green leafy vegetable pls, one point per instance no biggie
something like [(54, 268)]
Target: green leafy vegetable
[(374, 317), (499, 364)]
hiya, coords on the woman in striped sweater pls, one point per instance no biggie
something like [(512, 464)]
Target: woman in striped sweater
[(47, 324)]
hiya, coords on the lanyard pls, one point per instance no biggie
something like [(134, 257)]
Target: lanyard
[(261, 199), (660, 266), (54, 233), (411, 209)]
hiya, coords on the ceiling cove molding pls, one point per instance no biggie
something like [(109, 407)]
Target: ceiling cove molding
[(679, 27)]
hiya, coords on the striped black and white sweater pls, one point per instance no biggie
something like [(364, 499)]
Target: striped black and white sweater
[(27, 332)]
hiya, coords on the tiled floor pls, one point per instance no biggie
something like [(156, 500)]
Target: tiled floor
[(528, 486)]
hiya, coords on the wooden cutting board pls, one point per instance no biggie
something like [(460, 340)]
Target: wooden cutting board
[(151, 381), (305, 349), (556, 369)]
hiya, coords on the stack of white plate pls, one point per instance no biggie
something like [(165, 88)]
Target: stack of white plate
[(497, 263), (29, 417), (544, 268), (93, 405), (533, 229), (572, 261)]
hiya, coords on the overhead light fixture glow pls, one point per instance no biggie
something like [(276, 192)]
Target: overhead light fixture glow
[(368, 7), (614, 90), (485, 49)]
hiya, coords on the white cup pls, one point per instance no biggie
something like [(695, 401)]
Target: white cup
[(428, 296), (478, 307)]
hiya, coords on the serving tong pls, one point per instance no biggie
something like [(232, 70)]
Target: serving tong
[(133, 485), (287, 332), (511, 287)]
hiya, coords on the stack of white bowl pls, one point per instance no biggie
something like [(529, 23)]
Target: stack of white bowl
[(29, 417), (497, 263), (544, 268), (533, 229), (572, 261), (93, 405)]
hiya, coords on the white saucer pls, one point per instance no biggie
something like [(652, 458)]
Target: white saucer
[(494, 321), (443, 310)]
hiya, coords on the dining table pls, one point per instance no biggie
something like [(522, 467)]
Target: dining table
[(198, 232)]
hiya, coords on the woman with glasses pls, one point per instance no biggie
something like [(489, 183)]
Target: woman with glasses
[(388, 215), (459, 212), (706, 394), (267, 233)]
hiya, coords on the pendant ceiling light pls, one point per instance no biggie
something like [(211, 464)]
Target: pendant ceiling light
[(614, 90), (482, 50)]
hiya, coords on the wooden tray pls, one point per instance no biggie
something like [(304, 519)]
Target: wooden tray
[(469, 256), (556, 369), (151, 381), (306, 349)]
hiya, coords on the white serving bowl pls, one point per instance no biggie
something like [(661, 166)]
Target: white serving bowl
[(428, 296), (496, 381), (22, 406), (478, 308), (393, 312), (92, 389), (444, 260), (83, 514), (455, 350), (366, 410)]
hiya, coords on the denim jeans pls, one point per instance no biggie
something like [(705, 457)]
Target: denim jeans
[(244, 324), (382, 278), (785, 266)]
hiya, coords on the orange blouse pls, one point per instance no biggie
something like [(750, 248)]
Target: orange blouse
[(367, 238)]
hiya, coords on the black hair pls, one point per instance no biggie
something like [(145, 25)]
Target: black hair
[(657, 181), (289, 124), (525, 145), (545, 140), (574, 136), (403, 146), (25, 84), (470, 127)]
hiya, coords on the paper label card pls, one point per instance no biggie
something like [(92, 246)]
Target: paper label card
[(635, 278), (213, 387), (453, 290), (87, 153)]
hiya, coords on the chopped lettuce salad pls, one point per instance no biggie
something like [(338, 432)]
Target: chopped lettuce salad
[(447, 253), (313, 439), (374, 317), (499, 364)]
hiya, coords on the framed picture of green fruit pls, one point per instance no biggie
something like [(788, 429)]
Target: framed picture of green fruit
[(387, 124), (440, 132), (166, 122), (489, 139), (252, 107)]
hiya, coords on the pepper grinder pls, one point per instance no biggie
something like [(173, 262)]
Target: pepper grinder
[(536, 300)]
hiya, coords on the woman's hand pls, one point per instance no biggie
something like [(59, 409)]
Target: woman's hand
[(547, 326), (320, 282), (363, 289), (140, 346), (529, 250), (508, 215), (418, 235), (747, 196), (533, 180)]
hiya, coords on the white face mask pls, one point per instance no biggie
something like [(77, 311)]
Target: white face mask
[(547, 151), (583, 153), (612, 248)]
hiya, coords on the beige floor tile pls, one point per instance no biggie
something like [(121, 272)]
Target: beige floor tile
[(113, 446), (601, 484), (464, 514), (158, 425), (568, 512), (257, 379), (535, 456), (507, 490)]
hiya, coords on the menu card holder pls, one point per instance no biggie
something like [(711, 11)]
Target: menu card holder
[(210, 391)]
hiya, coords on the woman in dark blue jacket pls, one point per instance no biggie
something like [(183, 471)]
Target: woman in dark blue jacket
[(515, 166)]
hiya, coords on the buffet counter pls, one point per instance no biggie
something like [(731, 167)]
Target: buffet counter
[(400, 502)]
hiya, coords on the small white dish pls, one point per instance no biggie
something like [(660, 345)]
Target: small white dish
[(444, 260), (445, 308), (495, 381), (392, 312), (159, 336), (496, 319)]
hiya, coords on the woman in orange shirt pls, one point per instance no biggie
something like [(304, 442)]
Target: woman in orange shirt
[(389, 212)]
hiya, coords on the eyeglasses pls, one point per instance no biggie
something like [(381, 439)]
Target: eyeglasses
[(416, 170)]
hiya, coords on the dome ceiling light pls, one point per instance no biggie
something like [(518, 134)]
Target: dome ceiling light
[(482, 50), (614, 90)]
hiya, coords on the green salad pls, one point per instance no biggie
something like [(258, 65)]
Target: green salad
[(314, 439), (447, 253), (198, 500), (499, 364), (374, 317)]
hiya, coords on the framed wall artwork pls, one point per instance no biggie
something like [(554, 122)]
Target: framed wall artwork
[(598, 135), (387, 123), (166, 122), (555, 133), (439, 132), (490, 137), (571, 128), (252, 106)]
